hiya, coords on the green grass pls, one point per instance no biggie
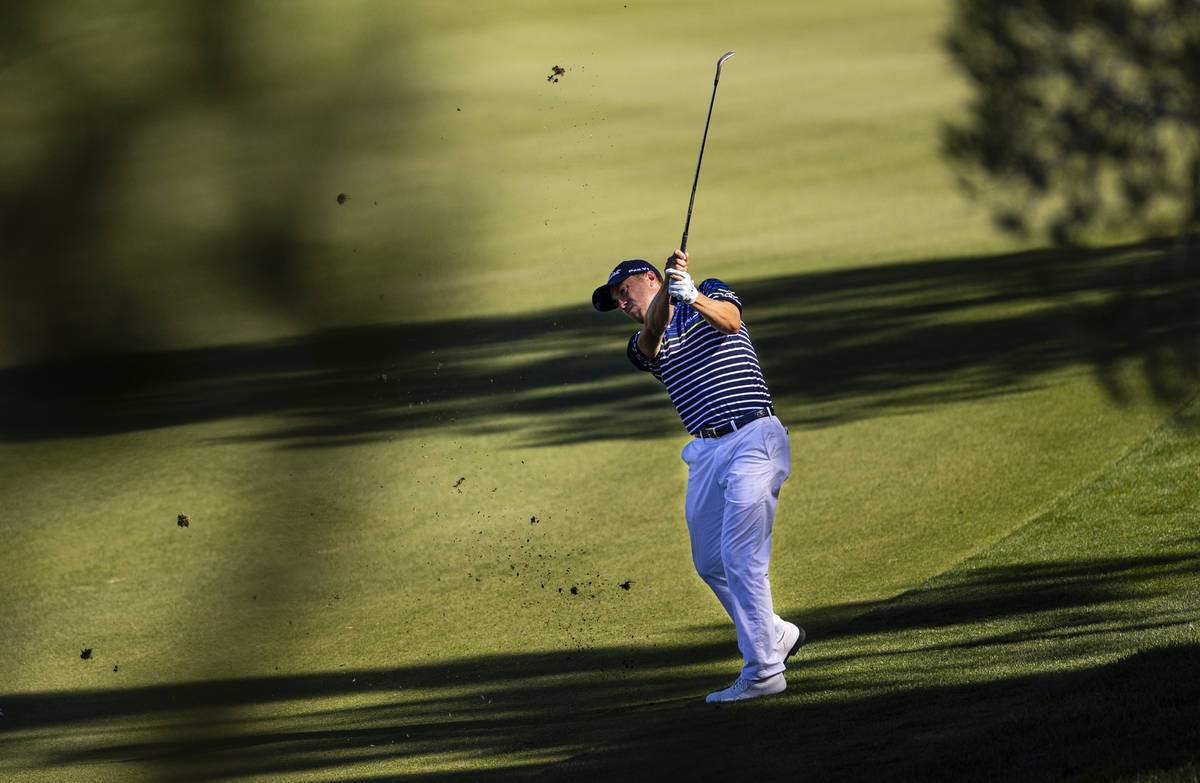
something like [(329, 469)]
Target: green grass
[(1069, 645), (197, 151), (403, 437)]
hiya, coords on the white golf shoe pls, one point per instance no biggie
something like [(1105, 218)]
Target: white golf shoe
[(790, 640), (743, 688)]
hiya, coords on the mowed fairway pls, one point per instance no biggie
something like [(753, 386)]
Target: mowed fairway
[(316, 276)]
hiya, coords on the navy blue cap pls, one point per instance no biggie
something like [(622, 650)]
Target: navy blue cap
[(602, 297)]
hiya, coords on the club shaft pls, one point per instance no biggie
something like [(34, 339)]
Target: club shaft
[(696, 181)]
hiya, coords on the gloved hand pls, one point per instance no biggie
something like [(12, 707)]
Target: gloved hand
[(681, 286)]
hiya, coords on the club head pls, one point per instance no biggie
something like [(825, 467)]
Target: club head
[(721, 62)]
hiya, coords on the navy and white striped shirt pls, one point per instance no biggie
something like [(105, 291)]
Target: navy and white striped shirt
[(711, 377)]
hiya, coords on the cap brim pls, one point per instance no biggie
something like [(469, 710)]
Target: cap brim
[(602, 299)]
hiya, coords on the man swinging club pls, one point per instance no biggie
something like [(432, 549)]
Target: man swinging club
[(738, 458)]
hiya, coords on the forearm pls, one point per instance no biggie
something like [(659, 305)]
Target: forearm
[(723, 316), (657, 317)]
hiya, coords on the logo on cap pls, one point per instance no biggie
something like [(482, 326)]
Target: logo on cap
[(602, 298)]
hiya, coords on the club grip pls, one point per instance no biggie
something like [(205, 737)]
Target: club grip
[(682, 249)]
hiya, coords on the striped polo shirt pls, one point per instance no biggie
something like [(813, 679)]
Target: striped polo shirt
[(711, 377)]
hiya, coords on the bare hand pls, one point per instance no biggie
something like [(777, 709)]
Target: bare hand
[(678, 260)]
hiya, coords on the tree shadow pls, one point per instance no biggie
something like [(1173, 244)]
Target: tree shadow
[(1075, 133), (872, 696), (1000, 592), (836, 347)]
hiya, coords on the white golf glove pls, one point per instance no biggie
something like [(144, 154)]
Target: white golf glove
[(681, 286)]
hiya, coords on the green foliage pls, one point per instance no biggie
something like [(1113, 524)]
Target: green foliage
[(1085, 115)]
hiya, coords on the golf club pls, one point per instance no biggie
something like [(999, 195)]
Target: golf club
[(720, 62), (696, 181)]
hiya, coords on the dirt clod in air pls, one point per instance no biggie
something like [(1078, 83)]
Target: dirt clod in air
[(342, 198), (184, 520), (556, 72), (86, 654)]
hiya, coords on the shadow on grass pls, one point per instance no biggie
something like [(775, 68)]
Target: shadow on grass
[(836, 346), (874, 696)]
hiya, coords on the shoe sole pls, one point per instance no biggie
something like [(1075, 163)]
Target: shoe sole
[(799, 643)]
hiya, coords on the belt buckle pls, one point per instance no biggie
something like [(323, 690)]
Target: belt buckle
[(734, 425)]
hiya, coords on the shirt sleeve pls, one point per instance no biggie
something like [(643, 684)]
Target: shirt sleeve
[(639, 359), (719, 291)]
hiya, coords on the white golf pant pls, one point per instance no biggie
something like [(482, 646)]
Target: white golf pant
[(732, 492)]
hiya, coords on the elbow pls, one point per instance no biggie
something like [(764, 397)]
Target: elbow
[(732, 328)]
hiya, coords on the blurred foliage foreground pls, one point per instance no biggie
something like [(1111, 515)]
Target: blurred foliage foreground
[(1084, 128)]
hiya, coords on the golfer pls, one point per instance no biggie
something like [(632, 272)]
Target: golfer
[(738, 458)]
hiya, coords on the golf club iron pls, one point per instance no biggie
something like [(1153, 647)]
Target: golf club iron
[(696, 181)]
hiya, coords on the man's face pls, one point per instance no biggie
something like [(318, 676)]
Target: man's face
[(634, 294)]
